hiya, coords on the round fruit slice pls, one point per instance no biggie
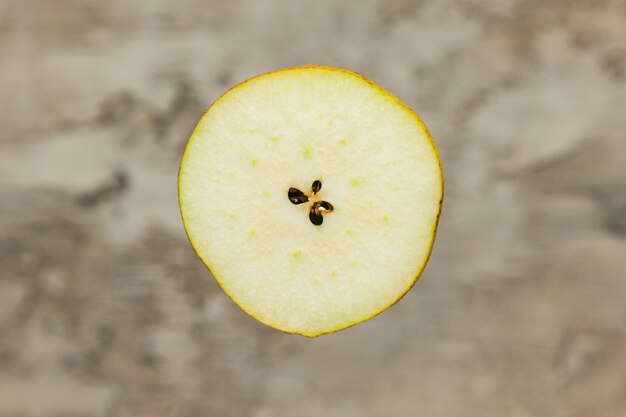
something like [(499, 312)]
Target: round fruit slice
[(312, 195)]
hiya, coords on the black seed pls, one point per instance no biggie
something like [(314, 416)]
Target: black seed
[(317, 185), (325, 206), (296, 196), (315, 216)]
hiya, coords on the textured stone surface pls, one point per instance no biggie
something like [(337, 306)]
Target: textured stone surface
[(106, 311)]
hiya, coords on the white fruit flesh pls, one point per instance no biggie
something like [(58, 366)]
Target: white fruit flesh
[(378, 168)]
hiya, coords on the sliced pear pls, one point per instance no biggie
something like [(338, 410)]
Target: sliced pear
[(312, 195)]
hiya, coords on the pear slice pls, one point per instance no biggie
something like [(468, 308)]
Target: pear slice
[(312, 195)]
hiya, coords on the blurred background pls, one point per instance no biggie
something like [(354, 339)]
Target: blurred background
[(106, 311)]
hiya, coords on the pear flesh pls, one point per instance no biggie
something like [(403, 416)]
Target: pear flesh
[(313, 196)]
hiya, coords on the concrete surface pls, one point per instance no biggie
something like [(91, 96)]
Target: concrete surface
[(106, 311)]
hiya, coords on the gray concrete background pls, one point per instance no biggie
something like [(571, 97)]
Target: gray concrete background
[(106, 311)]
